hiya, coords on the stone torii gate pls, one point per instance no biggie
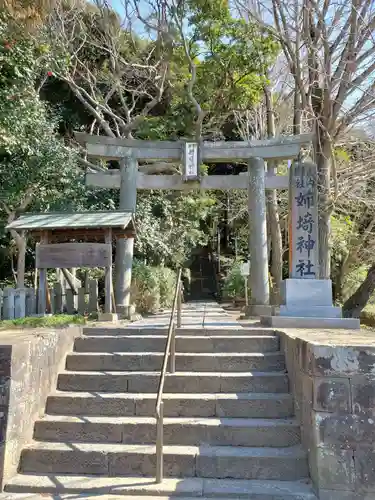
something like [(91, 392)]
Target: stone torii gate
[(191, 154)]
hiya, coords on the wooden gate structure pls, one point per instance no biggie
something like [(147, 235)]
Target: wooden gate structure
[(191, 154), (74, 240)]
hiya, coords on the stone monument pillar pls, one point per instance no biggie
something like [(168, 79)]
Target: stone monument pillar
[(306, 300), (303, 240)]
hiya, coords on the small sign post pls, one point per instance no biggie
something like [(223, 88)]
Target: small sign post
[(191, 161), (245, 268), (245, 272)]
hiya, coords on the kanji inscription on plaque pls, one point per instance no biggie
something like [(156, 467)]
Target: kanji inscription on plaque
[(304, 221), (191, 160)]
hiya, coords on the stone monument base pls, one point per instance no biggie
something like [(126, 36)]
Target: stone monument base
[(310, 312), (310, 322), (306, 292), (307, 303)]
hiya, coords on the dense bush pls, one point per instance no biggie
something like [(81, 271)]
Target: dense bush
[(167, 284), (234, 283), (152, 287)]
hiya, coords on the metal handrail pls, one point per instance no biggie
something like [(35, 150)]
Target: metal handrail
[(169, 348)]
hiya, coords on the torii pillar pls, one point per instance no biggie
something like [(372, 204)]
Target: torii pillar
[(125, 246), (259, 282)]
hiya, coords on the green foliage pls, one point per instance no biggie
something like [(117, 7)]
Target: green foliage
[(145, 288), (152, 287), (36, 104), (341, 231), (167, 284), (233, 56), (354, 278), (34, 161), (344, 237), (55, 321), (342, 155), (170, 225), (234, 283)]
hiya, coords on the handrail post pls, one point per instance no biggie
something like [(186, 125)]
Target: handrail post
[(172, 366), (169, 355), (159, 444), (179, 305)]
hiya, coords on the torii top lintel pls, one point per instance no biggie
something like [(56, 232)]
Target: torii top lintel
[(109, 148)]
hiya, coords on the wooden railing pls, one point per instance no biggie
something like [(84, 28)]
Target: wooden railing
[(170, 352)]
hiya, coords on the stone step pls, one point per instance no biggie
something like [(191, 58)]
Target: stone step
[(182, 382), (250, 405), (177, 431), (203, 362), (114, 496), (199, 343), (147, 330), (286, 464), (131, 488)]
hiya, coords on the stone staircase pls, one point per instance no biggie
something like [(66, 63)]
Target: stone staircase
[(229, 430)]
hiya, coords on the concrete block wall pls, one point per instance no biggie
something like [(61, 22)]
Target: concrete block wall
[(334, 390), (30, 361)]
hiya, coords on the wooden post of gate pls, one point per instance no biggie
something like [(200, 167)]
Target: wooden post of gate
[(108, 274), (42, 290)]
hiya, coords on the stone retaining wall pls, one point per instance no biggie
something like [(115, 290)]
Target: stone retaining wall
[(332, 377), (29, 364)]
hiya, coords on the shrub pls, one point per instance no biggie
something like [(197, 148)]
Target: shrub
[(234, 283), (152, 287), (167, 284), (145, 292), (58, 320)]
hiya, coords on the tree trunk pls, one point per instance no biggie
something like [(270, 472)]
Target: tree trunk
[(21, 260), (20, 240), (269, 246), (297, 113), (348, 261), (322, 147), (338, 284), (276, 244), (273, 209), (354, 305)]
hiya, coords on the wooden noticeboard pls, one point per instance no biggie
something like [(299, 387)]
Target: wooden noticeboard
[(67, 255)]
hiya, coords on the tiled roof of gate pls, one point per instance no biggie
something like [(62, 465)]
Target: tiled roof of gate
[(64, 220)]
